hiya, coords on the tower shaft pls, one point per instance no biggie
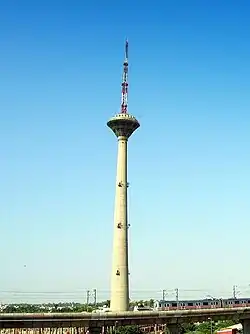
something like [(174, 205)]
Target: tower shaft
[(119, 277)]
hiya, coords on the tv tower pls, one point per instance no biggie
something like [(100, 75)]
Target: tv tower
[(123, 125)]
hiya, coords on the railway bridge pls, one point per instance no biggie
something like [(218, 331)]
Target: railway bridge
[(98, 322)]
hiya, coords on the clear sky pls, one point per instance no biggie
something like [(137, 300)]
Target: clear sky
[(189, 164)]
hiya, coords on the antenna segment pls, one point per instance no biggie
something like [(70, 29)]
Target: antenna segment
[(124, 104)]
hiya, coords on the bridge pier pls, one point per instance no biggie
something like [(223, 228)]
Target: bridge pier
[(94, 330), (246, 326), (175, 329)]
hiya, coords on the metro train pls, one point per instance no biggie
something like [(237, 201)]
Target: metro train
[(168, 305)]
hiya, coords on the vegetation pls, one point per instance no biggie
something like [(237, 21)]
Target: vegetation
[(51, 307), (202, 328), (63, 307), (207, 327), (149, 303)]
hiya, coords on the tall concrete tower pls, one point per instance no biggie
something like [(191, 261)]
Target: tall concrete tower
[(123, 125)]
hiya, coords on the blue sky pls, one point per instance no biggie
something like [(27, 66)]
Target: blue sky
[(189, 76)]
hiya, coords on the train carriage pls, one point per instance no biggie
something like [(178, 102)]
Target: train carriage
[(168, 305)]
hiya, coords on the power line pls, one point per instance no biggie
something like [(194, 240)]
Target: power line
[(165, 291), (90, 296)]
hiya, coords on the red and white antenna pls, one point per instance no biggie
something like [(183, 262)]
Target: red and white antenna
[(124, 104)]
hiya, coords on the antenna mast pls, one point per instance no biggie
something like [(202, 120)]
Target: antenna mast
[(124, 104)]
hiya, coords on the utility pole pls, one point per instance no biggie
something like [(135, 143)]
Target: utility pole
[(163, 294), (88, 296), (94, 291), (211, 325), (234, 292), (177, 297), (177, 294)]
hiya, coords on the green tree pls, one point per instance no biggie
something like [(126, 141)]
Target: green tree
[(188, 328), (149, 303), (205, 327)]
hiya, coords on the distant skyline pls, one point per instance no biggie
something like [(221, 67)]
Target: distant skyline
[(189, 194)]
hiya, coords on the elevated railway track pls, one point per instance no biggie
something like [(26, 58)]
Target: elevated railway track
[(94, 320)]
